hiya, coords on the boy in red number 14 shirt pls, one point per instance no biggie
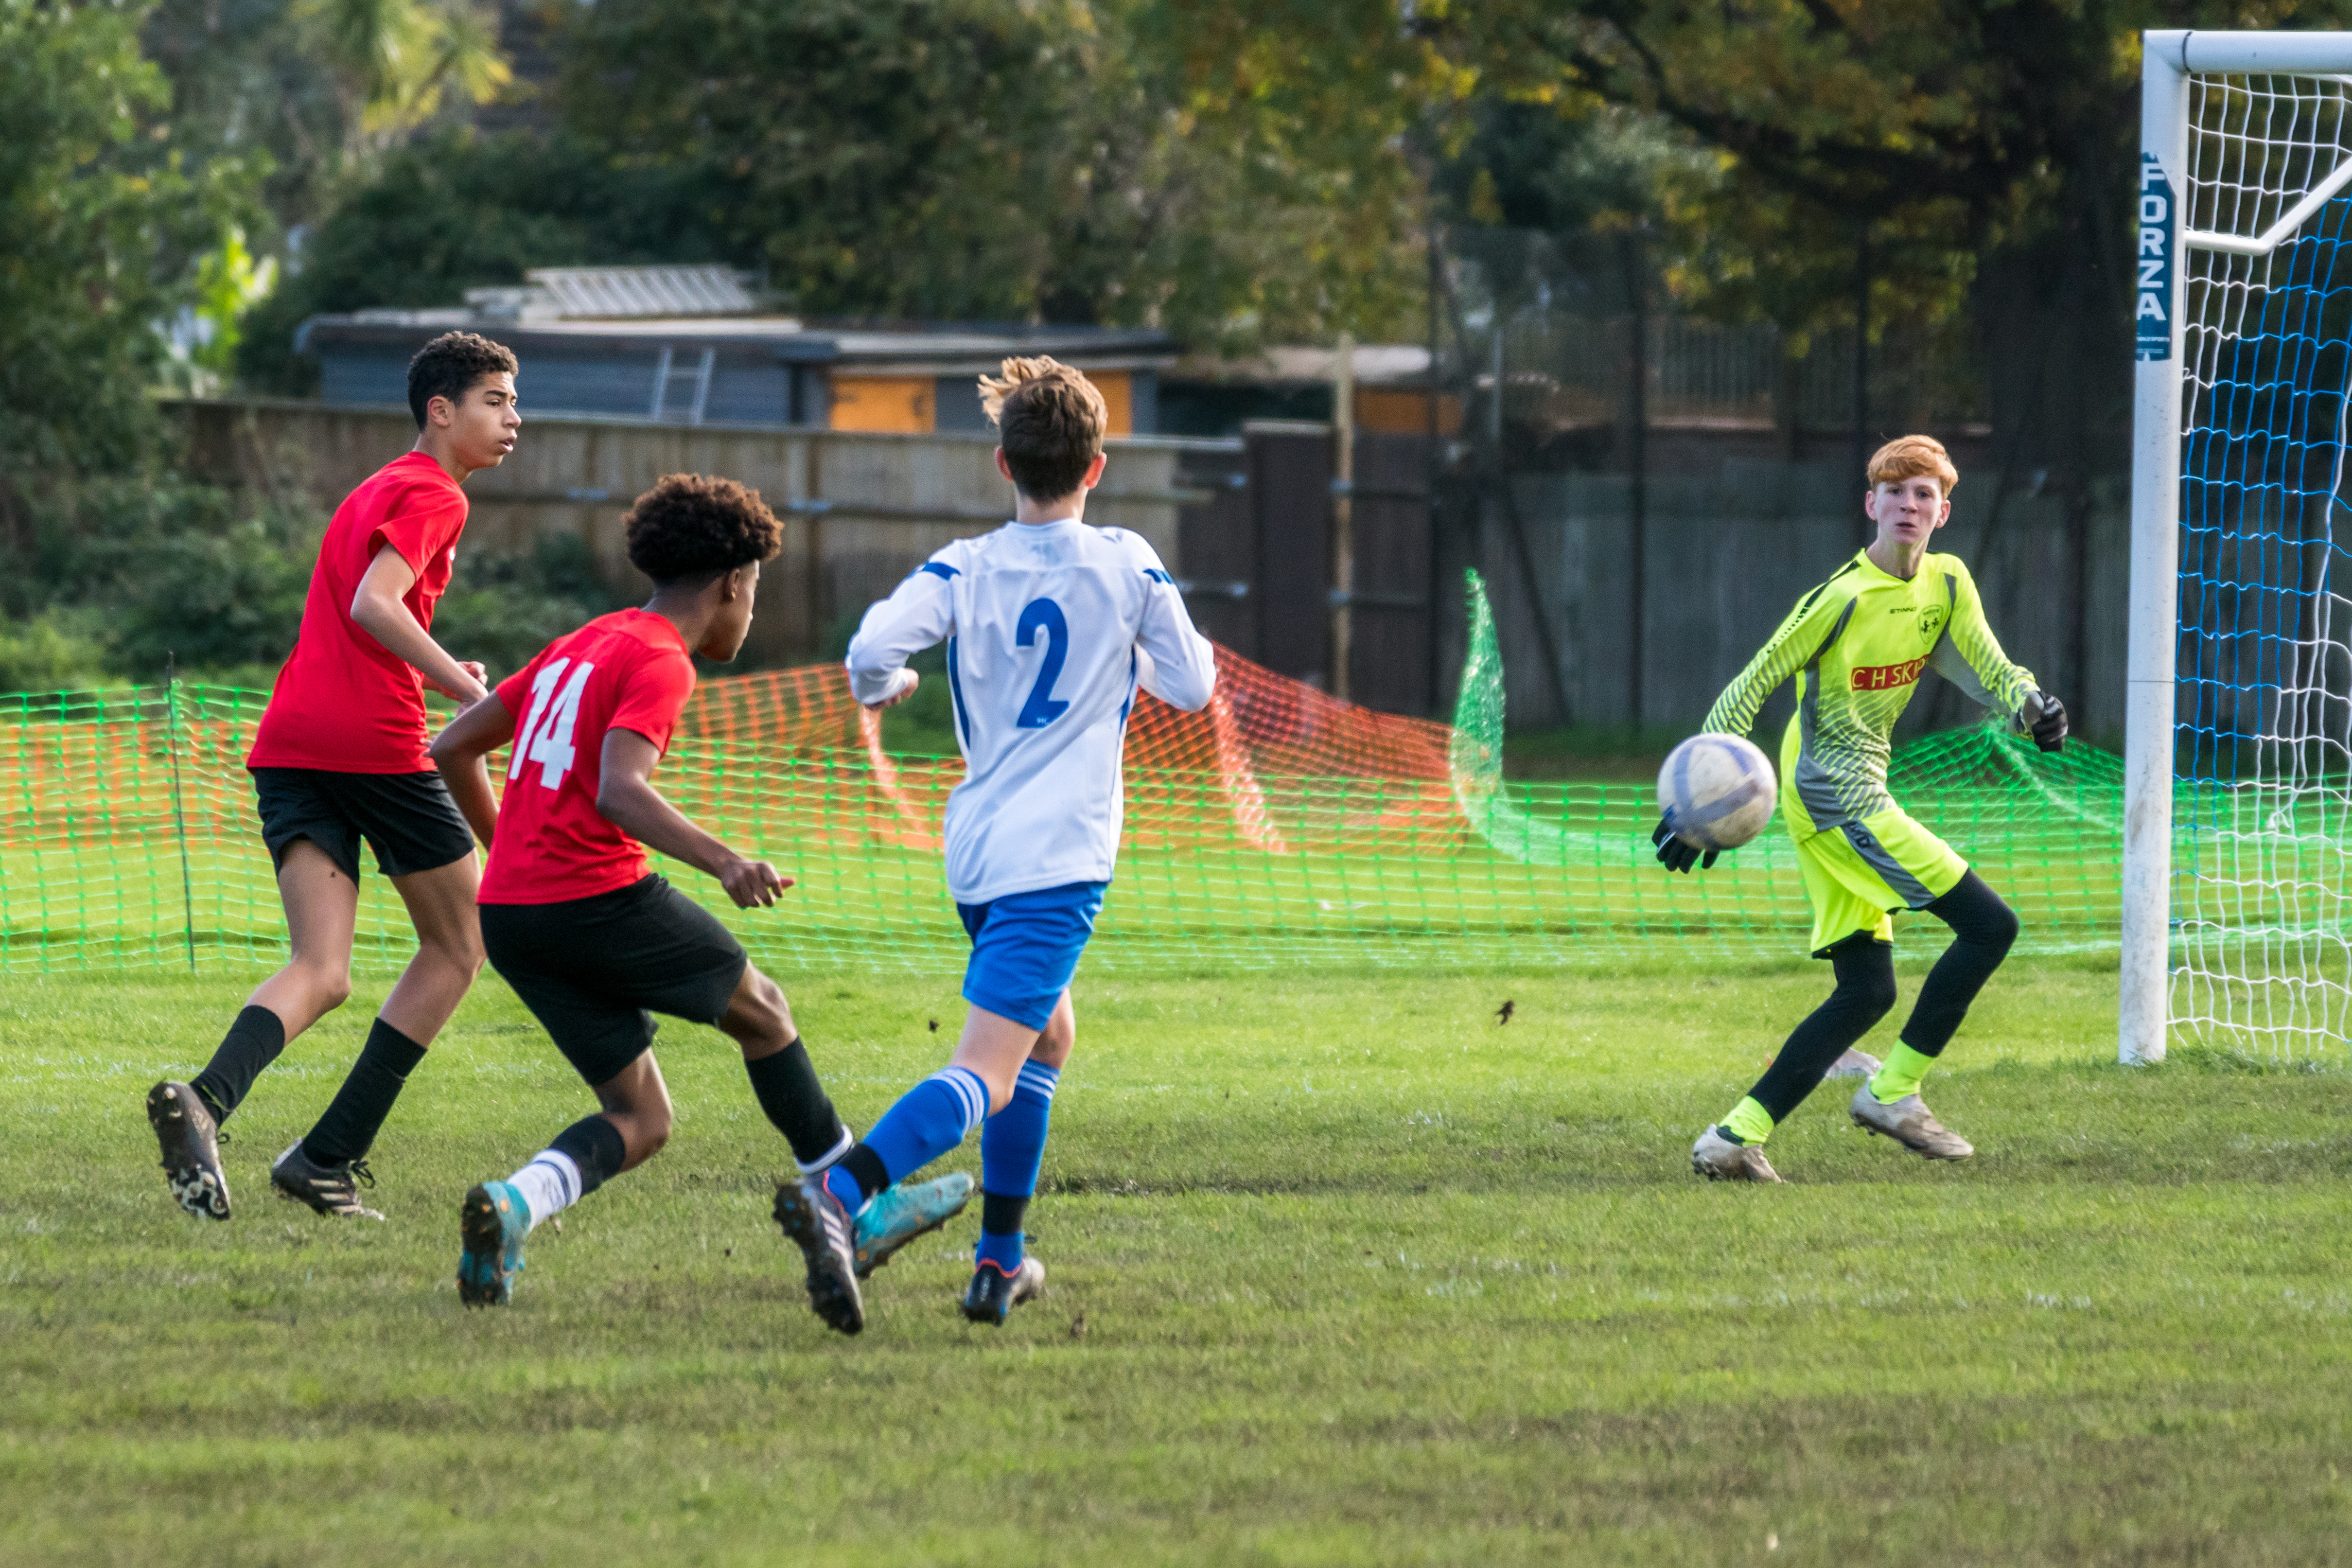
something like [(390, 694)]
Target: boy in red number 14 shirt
[(339, 757), (592, 940)]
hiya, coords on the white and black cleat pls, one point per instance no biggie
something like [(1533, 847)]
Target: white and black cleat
[(328, 1189), (1910, 1123), (190, 1141), (1719, 1157), (814, 1220)]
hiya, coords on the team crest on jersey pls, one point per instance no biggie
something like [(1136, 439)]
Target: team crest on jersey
[(1931, 621)]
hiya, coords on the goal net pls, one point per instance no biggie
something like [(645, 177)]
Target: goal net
[(2258, 956)]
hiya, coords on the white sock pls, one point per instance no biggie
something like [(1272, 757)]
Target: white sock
[(549, 1185), (831, 1158)]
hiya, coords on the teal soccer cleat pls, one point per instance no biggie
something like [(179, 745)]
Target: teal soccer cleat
[(491, 1225), (899, 1213)]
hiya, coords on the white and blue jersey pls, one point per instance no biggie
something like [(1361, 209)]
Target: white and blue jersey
[(1050, 629)]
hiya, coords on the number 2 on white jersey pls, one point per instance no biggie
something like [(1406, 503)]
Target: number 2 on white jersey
[(546, 733)]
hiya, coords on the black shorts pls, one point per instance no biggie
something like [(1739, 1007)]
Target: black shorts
[(408, 819), (593, 971)]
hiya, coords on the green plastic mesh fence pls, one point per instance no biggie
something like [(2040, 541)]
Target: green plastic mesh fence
[(1279, 827)]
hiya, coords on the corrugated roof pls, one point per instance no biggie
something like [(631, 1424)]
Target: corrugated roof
[(620, 293)]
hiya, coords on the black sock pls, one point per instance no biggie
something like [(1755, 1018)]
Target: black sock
[(1983, 927), (1866, 990), (360, 1106), (252, 1043), (787, 1086), (595, 1145), (865, 1167), (1000, 1215)]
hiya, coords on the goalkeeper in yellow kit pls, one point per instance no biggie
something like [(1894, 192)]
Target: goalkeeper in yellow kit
[(1856, 645)]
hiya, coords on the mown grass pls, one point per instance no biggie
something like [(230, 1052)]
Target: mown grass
[(1342, 1272)]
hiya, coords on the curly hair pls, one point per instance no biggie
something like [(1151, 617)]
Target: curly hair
[(1910, 458), (692, 525), (1050, 421), (449, 367)]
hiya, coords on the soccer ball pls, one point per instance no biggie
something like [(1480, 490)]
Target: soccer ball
[(1718, 789)]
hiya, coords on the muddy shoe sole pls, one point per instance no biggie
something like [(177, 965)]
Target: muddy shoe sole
[(190, 1143)]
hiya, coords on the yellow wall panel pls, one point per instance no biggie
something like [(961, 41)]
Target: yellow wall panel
[(902, 405)]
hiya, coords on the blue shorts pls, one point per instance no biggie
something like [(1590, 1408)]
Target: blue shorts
[(1025, 948)]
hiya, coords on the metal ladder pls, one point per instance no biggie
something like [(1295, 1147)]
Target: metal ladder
[(665, 372)]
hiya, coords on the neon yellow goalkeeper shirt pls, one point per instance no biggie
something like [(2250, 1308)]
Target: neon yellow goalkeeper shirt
[(1856, 645)]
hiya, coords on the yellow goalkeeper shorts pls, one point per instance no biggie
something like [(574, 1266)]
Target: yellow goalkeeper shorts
[(1856, 876)]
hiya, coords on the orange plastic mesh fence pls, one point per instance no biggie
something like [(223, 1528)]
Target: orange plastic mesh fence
[(1280, 826)]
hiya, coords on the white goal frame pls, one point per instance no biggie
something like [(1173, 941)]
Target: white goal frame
[(2170, 60)]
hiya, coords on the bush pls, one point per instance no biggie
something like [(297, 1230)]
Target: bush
[(115, 577), (167, 569), (503, 609), (43, 656)]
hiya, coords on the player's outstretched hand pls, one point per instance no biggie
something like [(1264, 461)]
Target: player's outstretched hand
[(750, 882), (1676, 855), (2049, 729)]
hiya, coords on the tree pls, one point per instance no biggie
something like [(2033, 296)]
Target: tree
[(106, 231), (1135, 161), (454, 210), (1985, 152), (391, 61)]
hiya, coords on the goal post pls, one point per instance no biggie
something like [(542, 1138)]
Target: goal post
[(2245, 150)]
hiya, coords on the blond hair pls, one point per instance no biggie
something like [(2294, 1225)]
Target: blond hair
[(1050, 421), (1912, 457)]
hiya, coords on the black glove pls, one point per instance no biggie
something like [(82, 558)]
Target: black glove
[(2049, 729), (1674, 854)]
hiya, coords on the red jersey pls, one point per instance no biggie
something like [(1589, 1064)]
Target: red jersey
[(344, 701), (628, 670)]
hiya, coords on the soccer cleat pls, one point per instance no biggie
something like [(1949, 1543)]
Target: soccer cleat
[(815, 1221), (1718, 1158), (993, 1293), (190, 1140), (1854, 1064), (897, 1214), (1910, 1123), (491, 1224), (328, 1189)]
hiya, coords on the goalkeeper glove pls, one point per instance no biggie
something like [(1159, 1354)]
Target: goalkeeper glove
[(1674, 854), (2048, 725)]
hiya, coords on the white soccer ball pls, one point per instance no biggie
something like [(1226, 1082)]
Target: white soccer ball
[(1719, 791)]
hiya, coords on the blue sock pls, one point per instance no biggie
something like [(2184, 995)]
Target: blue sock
[(1012, 1147), (928, 1121)]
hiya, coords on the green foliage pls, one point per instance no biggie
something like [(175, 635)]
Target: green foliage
[(1984, 155), (115, 576), (994, 159), (165, 568), (1340, 1272), (393, 60), (503, 609), (457, 210), (105, 226), (47, 653)]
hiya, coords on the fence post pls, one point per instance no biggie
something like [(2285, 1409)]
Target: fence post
[(179, 815)]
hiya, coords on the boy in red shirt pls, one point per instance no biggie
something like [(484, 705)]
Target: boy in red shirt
[(339, 757), (595, 943)]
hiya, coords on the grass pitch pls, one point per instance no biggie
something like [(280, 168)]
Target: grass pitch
[(1342, 1272)]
